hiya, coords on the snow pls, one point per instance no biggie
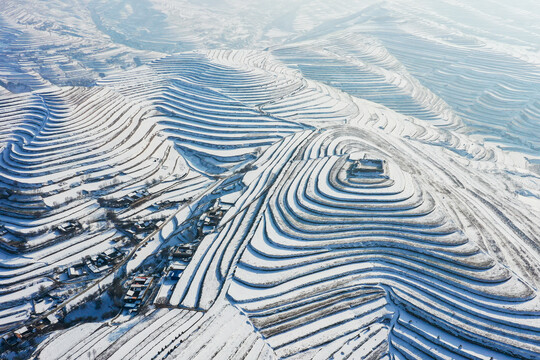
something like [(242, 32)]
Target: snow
[(99, 102), (66, 340)]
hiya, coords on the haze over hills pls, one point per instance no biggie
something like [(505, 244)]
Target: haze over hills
[(286, 179)]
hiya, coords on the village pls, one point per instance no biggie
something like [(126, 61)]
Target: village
[(150, 285)]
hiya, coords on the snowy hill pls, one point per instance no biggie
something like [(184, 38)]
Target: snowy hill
[(297, 180)]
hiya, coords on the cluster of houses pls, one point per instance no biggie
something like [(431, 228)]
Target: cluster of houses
[(26, 331), (174, 271), (133, 197), (95, 264), (126, 200), (134, 230), (179, 258), (69, 227), (164, 204), (209, 221), (182, 253), (136, 292)]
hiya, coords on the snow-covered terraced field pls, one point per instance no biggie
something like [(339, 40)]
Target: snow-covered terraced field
[(63, 159), (209, 110), (376, 79), (501, 91), (333, 253), (60, 160), (426, 69), (353, 180), (164, 333), (326, 256)]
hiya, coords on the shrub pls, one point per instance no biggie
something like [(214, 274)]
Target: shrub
[(42, 290)]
